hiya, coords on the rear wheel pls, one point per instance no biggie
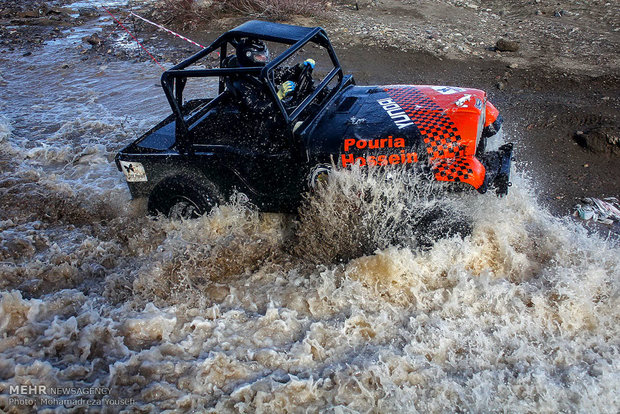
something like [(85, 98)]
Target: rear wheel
[(179, 198)]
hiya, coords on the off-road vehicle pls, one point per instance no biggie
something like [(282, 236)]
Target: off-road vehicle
[(276, 150)]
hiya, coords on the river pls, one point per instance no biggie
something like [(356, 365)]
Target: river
[(221, 314)]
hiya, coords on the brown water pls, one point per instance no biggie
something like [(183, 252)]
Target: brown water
[(350, 309)]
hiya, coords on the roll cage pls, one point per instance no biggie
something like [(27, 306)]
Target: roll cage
[(173, 80)]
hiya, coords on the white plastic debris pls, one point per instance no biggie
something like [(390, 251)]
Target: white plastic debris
[(604, 211)]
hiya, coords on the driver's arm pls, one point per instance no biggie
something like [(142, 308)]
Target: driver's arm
[(287, 78)]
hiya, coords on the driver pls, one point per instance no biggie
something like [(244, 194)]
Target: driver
[(252, 52)]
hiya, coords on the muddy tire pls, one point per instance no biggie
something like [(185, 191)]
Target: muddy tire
[(180, 199)]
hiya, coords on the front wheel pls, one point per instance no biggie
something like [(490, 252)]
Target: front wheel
[(178, 198)]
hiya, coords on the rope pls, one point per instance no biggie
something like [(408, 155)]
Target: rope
[(134, 38), (168, 30)]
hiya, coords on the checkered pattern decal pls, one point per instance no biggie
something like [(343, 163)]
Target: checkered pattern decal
[(454, 169), (439, 132), (442, 139)]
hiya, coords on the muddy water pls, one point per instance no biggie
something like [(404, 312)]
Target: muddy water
[(349, 309)]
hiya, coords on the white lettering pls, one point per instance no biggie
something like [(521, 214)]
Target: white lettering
[(392, 112), (398, 115), (403, 125), (401, 118), (27, 389), (392, 107)]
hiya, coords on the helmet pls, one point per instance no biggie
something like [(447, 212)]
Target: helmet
[(252, 52)]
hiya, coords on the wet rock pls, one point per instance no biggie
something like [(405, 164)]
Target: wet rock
[(60, 11), (600, 140), (29, 14), (504, 45), (93, 39), (88, 12)]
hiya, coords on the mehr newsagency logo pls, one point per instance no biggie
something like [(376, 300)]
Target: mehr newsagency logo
[(45, 396)]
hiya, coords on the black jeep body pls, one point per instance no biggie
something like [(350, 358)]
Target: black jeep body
[(208, 148)]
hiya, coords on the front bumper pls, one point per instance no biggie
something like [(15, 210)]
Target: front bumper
[(497, 165)]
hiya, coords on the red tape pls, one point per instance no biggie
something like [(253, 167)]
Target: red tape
[(134, 38), (168, 30)]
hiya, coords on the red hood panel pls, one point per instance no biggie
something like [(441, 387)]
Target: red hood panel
[(447, 117), (449, 120)]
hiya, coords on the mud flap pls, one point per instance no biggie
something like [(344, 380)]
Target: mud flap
[(497, 164)]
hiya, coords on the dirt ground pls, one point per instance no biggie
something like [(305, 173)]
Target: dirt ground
[(551, 67)]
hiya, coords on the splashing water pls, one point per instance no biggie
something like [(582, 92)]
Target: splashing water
[(365, 210), (351, 307)]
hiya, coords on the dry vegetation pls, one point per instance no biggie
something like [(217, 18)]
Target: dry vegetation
[(191, 12)]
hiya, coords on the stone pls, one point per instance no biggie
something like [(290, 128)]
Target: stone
[(93, 39), (88, 12), (600, 139), (504, 45), (362, 4), (29, 14)]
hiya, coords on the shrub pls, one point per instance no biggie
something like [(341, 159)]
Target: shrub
[(190, 12), (276, 9)]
